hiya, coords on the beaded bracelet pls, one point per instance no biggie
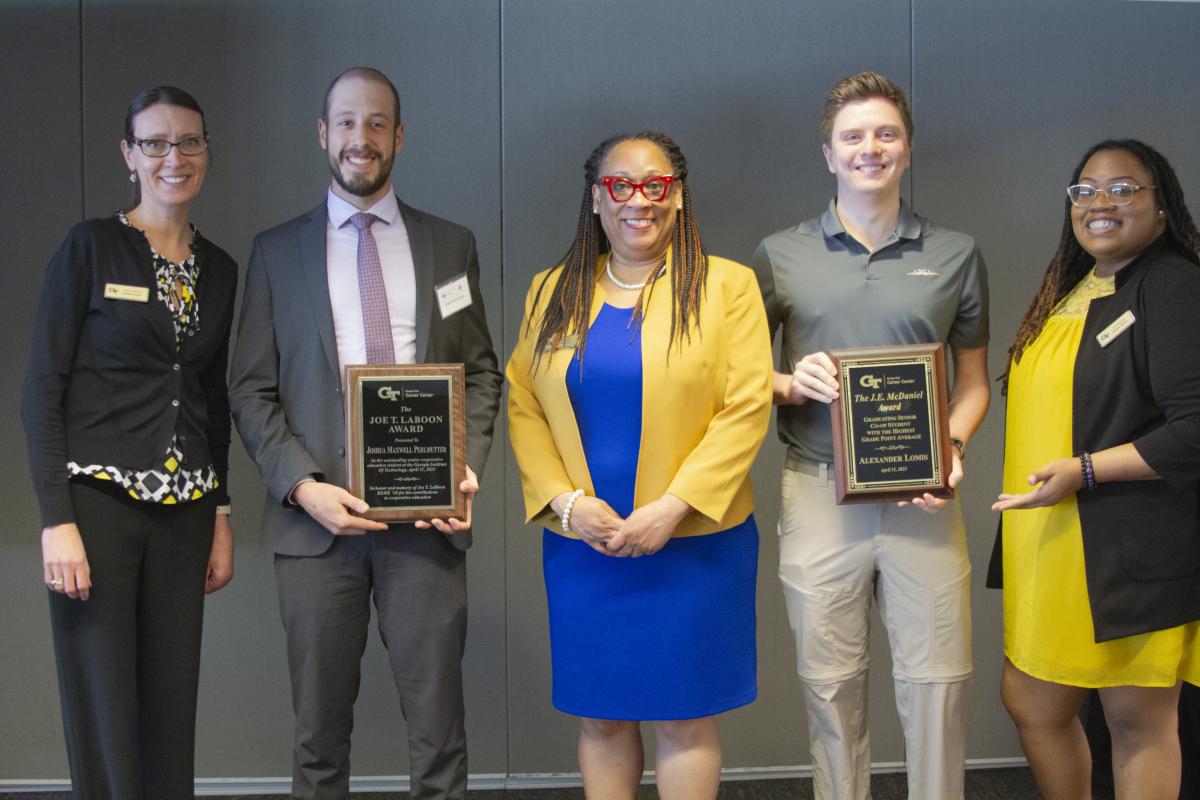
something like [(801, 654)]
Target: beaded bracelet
[(1089, 473), (566, 514)]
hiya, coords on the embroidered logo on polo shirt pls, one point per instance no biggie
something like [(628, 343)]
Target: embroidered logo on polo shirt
[(922, 272)]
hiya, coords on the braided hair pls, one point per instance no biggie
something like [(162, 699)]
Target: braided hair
[(568, 309), (1071, 262)]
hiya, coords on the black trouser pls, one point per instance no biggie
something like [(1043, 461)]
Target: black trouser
[(129, 657)]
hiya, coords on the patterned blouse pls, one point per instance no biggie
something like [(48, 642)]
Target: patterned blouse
[(171, 483)]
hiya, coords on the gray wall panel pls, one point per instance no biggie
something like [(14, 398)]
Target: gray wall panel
[(503, 100), (1007, 98), (39, 90)]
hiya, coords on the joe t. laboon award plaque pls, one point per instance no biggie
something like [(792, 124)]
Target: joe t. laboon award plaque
[(406, 440), (891, 432)]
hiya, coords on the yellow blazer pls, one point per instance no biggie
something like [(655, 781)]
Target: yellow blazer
[(704, 412)]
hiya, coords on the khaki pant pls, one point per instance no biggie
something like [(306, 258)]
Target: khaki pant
[(832, 561)]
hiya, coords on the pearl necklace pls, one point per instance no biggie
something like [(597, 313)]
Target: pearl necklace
[(631, 286)]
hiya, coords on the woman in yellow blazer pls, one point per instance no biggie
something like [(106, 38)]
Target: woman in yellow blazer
[(640, 393)]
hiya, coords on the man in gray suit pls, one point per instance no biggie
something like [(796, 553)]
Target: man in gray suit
[(362, 277)]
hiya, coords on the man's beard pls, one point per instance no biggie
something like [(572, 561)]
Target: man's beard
[(361, 185)]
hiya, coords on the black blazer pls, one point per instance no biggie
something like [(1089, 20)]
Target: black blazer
[(104, 383), (1141, 539)]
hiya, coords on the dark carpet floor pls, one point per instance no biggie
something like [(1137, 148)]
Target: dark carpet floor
[(982, 784)]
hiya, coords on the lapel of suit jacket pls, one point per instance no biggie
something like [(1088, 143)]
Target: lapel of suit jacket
[(420, 241), (316, 276), (551, 382)]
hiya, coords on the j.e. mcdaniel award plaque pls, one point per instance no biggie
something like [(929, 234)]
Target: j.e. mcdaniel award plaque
[(406, 440), (891, 431)]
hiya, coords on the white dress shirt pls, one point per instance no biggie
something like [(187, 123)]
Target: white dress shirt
[(399, 278)]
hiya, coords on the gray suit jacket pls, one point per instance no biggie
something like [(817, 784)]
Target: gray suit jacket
[(285, 381)]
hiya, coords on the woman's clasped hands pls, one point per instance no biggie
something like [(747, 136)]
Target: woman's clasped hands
[(643, 532), (593, 520)]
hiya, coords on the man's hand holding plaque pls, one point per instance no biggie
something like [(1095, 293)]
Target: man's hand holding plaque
[(334, 508), (814, 378), (931, 503), (468, 487)]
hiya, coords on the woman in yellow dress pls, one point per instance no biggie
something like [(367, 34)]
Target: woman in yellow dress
[(1102, 558)]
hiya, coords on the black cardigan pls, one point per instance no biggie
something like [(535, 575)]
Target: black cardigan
[(104, 383), (1141, 539)]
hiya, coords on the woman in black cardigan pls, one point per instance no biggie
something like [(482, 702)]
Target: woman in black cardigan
[(127, 420), (1102, 558)]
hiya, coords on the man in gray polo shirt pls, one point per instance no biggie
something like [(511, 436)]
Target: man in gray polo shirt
[(871, 272)]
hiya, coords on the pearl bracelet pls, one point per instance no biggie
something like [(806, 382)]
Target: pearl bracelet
[(566, 513)]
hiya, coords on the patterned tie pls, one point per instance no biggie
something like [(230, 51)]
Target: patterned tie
[(377, 324)]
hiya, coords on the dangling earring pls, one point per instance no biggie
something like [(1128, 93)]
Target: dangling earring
[(133, 177), (595, 210)]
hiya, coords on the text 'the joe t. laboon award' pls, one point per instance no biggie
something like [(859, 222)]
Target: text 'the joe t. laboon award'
[(406, 440), (891, 437)]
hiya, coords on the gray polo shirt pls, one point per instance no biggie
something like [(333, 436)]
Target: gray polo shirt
[(924, 284)]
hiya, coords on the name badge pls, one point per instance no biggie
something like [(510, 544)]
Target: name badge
[(120, 291), (568, 342), (1118, 326), (453, 295)]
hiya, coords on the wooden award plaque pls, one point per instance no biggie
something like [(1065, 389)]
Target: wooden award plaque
[(891, 430), (406, 440)]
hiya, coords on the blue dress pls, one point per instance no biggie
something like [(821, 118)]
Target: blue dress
[(663, 636)]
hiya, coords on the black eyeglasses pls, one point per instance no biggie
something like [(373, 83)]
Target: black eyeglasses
[(1119, 194), (158, 148)]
